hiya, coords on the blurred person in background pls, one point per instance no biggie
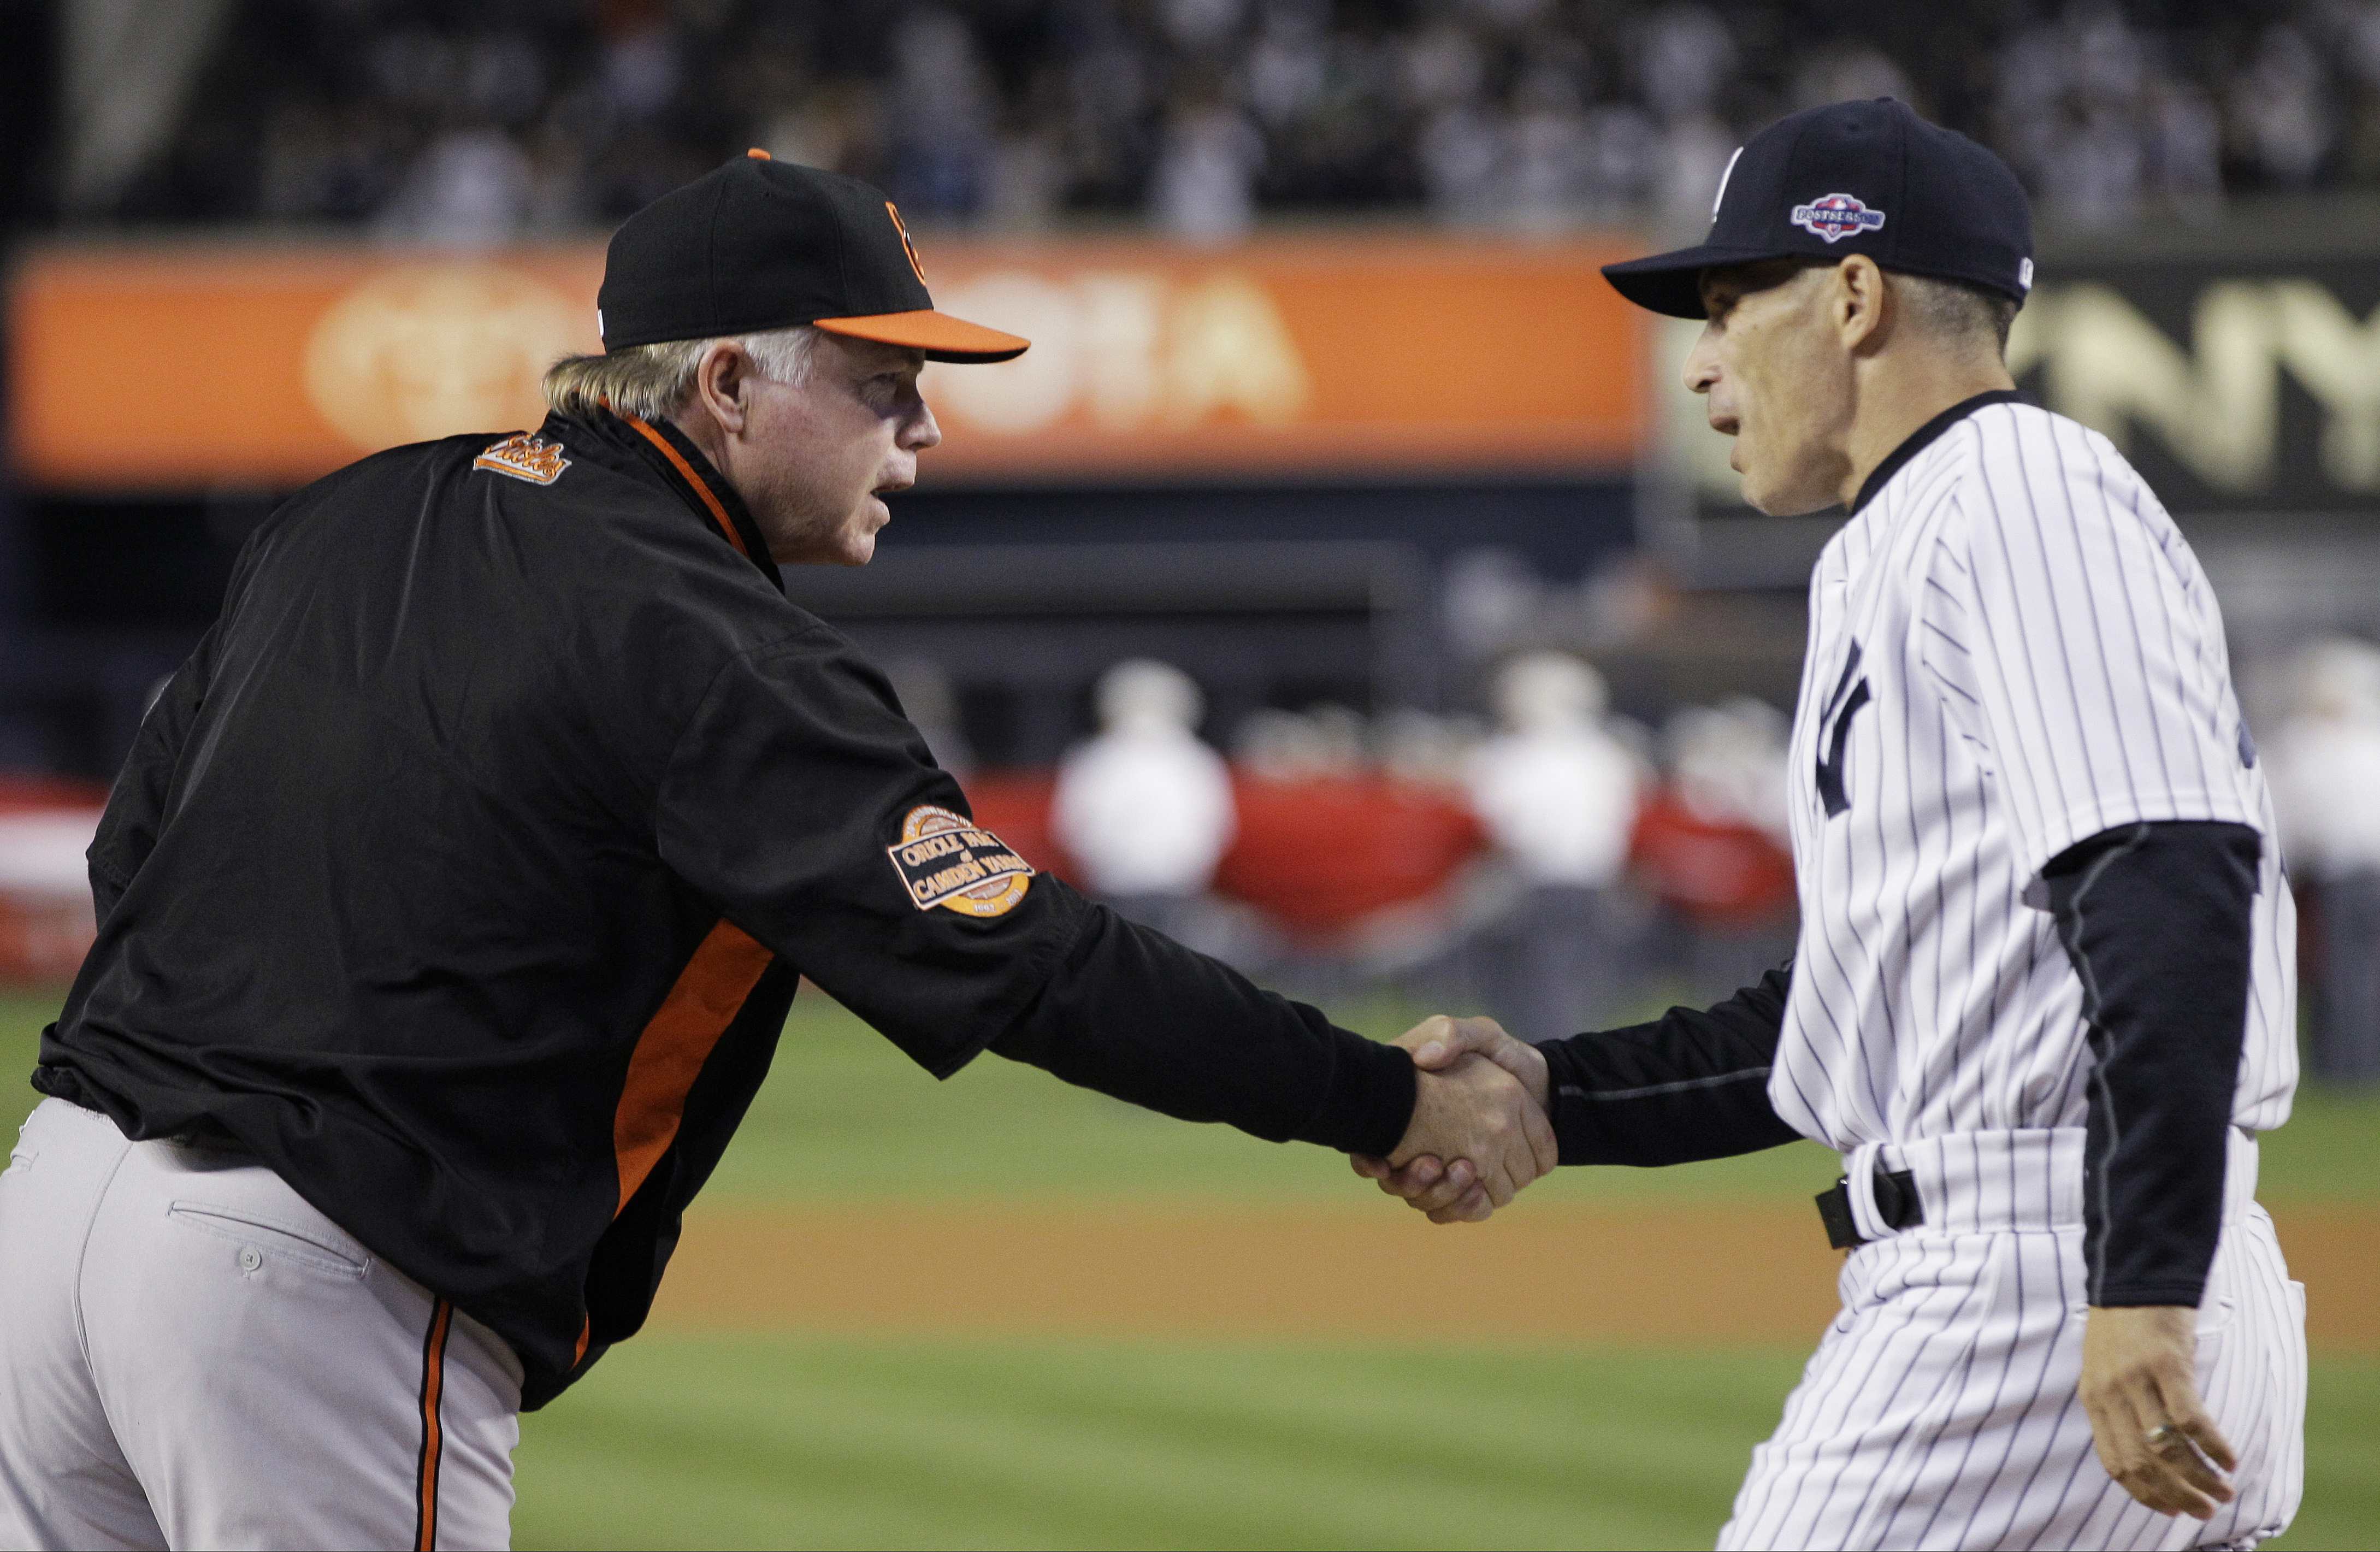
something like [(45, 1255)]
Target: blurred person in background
[(1728, 763), (2325, 774), (1145, 809), (1715, 848), (1203, 189), (1556, 793)]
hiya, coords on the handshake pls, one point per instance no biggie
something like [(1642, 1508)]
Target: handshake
[(1480, 1127)]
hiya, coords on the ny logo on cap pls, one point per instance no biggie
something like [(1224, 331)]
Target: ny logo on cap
[(1836, 216)]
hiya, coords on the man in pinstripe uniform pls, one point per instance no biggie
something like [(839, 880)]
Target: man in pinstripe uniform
[(2043, 999)]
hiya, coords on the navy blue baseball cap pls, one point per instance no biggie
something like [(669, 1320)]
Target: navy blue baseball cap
[(1854, 177)]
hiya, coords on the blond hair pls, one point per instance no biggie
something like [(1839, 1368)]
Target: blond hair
[(652, 381)]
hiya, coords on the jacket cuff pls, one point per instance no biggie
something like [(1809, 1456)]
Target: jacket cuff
[(1369, 1103)]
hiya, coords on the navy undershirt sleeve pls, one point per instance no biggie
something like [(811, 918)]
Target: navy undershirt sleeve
[(1694, 1083), (2156, 918)]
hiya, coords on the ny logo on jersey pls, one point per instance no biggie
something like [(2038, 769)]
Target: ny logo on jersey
[(1834, 727)]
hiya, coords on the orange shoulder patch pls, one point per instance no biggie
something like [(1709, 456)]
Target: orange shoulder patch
[(525, 455), (954, 862)]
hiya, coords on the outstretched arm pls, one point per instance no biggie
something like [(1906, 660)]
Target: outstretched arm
[(1691, 1085), (790, 798), (1133, 1015)]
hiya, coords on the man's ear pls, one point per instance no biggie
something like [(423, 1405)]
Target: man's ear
[(1861, 304), (719, 384)]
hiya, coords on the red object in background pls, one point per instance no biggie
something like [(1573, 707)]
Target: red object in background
[(1319, 857), (1315, 857), (42, 941), (44, 934), (26, 794), (1724, 874), (1014, 805)]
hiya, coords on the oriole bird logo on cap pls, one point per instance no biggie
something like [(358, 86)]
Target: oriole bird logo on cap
[(906, 246)]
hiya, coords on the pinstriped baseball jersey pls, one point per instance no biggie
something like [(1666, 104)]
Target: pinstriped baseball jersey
[(2012, 650)]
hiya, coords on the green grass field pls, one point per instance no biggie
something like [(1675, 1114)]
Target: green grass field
[(795, 1440)]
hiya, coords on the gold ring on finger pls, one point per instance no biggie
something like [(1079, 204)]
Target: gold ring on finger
[(2162, 1435)]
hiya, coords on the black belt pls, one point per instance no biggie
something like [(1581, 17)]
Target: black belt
[(1895, 1202)]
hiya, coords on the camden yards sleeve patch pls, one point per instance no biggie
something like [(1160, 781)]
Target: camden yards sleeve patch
[(948, 861)]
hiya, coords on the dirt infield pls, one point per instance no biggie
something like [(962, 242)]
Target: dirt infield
[(1558, 1273)]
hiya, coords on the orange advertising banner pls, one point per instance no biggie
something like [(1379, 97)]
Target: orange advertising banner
[(189, 368)]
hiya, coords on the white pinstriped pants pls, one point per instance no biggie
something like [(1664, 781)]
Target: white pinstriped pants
[(191, 1356), (1940, 1409)]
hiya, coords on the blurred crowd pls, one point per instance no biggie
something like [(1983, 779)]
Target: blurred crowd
[(480, 120), (2324, 763), (1553, 863), (1557, 867), (1564, 867)]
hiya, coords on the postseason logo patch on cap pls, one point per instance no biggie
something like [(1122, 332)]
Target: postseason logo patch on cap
[(954, 863), (1836, 216)]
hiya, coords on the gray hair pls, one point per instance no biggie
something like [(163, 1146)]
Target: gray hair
[(652, 381), (1954, 311)]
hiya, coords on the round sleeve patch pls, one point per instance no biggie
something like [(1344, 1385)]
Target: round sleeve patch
[(952, 862)]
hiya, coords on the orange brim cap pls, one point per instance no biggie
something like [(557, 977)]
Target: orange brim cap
[(940, 336)]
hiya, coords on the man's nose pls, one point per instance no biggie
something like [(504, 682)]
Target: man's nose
[(923, 431), (1702, 364)]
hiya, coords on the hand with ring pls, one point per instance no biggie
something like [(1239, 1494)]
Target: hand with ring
[(2152, 1433)]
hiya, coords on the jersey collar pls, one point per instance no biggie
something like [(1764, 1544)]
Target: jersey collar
[(661, 450), (1923, 438)]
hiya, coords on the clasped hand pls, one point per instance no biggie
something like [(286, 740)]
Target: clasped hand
[(1479, 1130)]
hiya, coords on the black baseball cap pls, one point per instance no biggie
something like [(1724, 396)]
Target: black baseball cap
[(1854, 177), (761, 243)]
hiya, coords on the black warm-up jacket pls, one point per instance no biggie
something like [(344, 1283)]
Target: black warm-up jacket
[(466, 873)]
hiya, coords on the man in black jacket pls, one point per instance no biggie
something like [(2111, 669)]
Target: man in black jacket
[(456, 889)]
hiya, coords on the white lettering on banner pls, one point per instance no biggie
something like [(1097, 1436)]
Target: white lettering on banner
[(1231, 351), (428, 350), (2108, 365), (1013, 398), (2216, 407), (2338, 360), (1122, 332), (2214, 404), (1130, 349)]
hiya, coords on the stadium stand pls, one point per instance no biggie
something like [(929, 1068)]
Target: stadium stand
[(499, 118)]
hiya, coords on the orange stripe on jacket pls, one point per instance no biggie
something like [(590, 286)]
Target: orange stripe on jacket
[(701, 488), (669, 1053)]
